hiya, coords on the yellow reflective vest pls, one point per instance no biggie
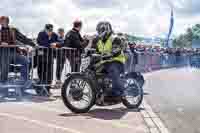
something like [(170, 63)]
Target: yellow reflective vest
[(107, 48)]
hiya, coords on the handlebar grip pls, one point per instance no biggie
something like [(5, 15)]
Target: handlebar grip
[(106, 57)]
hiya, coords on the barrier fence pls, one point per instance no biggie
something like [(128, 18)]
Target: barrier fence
[(46, 65), (14, 59), (49, 64), (148, 61)]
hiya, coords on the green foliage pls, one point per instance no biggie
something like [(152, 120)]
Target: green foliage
[(196, 31), (133, 38), (185, 40)]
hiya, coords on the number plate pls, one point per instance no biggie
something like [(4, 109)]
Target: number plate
[(85, 63), (11, 90)]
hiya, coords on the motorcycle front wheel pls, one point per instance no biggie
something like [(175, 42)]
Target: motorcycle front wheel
[(133, 94), (78, 94)]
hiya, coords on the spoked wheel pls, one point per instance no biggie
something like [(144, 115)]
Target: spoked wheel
[(133, 94), (78, 94)]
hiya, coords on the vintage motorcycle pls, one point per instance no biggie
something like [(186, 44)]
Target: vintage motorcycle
[(91, 86)]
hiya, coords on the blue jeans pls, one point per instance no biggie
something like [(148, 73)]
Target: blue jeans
[(114, 70), (15, 59)]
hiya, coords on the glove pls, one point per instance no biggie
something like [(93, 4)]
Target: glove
[(107, 56)]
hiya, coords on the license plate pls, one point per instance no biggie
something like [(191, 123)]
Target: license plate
[(11, 90)]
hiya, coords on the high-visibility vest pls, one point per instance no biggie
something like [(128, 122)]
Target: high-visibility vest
[(107, 48)]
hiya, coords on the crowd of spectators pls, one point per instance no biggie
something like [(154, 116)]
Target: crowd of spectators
[(49, 44)]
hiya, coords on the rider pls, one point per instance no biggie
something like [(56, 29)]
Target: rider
[(108, 45)]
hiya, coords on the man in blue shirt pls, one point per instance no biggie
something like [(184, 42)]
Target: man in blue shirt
[(48, 40), (61, 36)]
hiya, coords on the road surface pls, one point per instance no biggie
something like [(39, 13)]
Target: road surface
[(174, 95), (44, 116)]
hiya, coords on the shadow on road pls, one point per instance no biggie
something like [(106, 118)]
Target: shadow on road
[(27, 98), (146, 93), (104, 114)]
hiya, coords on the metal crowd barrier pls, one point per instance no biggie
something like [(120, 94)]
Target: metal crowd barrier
[(14, 69), (52, 64), (14, 60), (45, 66), (195, 60), (150, 61), (42, 66)]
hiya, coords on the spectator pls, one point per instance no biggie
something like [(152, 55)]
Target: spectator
[(60, 55), (48, 39), (73, 39), (61, 36), (11, 36), (133, 58)]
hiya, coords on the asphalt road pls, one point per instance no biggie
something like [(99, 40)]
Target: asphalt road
[(174, 95), (39, 115)]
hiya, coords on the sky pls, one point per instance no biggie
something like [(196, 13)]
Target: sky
[(148, 18)]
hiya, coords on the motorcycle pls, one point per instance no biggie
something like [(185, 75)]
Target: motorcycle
[(82, 90)]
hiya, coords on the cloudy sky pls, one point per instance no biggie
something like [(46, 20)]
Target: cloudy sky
[(138, 17)]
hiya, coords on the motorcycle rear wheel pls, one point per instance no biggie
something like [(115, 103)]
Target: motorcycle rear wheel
[(131, 94)]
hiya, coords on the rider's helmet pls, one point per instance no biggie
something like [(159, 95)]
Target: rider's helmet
[(104, 29)]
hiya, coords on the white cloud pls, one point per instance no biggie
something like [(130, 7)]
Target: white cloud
[(148, 18)]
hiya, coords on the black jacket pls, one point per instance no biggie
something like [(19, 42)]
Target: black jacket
[(23, 39), (73, 39)]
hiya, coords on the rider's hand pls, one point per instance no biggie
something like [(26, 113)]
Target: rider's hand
[(107, 56)]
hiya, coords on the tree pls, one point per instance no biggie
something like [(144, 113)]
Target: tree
[(185, 40), (196, 32), (180, 41)]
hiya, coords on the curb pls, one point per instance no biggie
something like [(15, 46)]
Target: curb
[(152, 121)]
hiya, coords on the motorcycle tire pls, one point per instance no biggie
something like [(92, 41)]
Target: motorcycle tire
[(126, 102), (68, 103)]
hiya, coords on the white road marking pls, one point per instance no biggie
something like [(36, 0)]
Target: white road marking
[(40, 123)]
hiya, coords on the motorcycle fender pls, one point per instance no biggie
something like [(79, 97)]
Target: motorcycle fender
[(69, 75), (138, 76)]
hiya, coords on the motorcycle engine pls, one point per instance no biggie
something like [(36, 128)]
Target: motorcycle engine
[(107, 84)]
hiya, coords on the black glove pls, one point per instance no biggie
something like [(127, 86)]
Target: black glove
[(107, 56)]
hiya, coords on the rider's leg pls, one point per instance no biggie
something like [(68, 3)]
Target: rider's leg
[(114, 70)]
